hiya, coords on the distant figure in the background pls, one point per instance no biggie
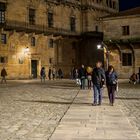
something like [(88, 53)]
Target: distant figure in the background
[(54, 73), (60, 73), (82, 76), (3, 75), (133, 79), (138, 76), (43, 74), (50, 73), (89, 76), (76, 73)]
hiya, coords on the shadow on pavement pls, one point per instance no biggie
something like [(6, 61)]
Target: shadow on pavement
[(54, 102)]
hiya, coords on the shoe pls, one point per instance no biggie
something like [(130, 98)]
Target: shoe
[(99, 104), (94, 104)]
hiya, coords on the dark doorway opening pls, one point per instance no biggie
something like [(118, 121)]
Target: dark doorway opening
[(34, 68)]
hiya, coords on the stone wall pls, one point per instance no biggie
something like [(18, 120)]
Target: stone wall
[(63, 54), (124, 43)]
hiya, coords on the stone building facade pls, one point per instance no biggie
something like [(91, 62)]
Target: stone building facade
[(36, 33), (122, 36)]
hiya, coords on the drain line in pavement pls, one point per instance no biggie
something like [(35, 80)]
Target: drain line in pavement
[(64, 114)]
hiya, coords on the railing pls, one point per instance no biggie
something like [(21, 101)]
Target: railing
[(25, 26)]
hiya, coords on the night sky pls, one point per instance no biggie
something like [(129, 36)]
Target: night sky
[(127, 4)]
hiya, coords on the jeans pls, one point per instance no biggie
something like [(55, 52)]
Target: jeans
[(82, 83), (43, 79), (97, 94)]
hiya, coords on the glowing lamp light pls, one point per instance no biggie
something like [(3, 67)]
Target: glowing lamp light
[(99, 46), (27, 49)]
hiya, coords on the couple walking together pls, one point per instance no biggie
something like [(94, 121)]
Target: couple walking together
[(99, 79)]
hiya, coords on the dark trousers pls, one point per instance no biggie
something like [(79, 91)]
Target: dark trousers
[(89, 84), (111, 93), (3, 79)]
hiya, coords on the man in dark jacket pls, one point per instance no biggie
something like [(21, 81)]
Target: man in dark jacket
[(98, 79), (82, 76), (3, 75)]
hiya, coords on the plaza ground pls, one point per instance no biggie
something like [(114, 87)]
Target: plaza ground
[(58, 110)]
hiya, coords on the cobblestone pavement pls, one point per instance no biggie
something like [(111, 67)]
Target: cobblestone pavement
[(129, 99), (31, 111)]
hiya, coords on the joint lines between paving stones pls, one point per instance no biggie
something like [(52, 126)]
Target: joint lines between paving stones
[(64, 114), (129, 120)]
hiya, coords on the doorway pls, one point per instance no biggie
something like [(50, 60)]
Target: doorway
[(34, 68)]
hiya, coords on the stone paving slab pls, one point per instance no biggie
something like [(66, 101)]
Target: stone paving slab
[(85, 122), (30, 110)]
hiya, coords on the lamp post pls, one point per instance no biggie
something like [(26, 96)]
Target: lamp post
[(102, 46)]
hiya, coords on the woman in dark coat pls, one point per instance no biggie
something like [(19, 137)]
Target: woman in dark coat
[(111, 81)]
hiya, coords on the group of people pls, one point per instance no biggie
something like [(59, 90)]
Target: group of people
[(99, 78), (134, 78), (52, 74)]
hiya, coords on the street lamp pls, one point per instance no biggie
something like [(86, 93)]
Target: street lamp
[(26, 50), (102, 46)]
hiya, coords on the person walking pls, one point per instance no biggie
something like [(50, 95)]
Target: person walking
[(43, 74), (98, 80), (111, 82), (89, 76), (3, 75), (60, 73), (82, 76), (50, 73), (54, 73)]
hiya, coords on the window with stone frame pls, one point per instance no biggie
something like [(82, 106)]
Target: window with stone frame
[(32, 16), (3, 59), (3, 39), (114, 5), (50, 60), (125, 30), (126, 59), (73, 24), (50, 20), (33, 41), (2, 12)]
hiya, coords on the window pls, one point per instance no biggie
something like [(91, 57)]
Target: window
[(110, 3), (3, 59), (33, 41), (127, 59), (32, 16), (3, 39), (114, 5), (51, 43), (2, 12), (107, 2), (73, 23), (125, 30), (50, 20)]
